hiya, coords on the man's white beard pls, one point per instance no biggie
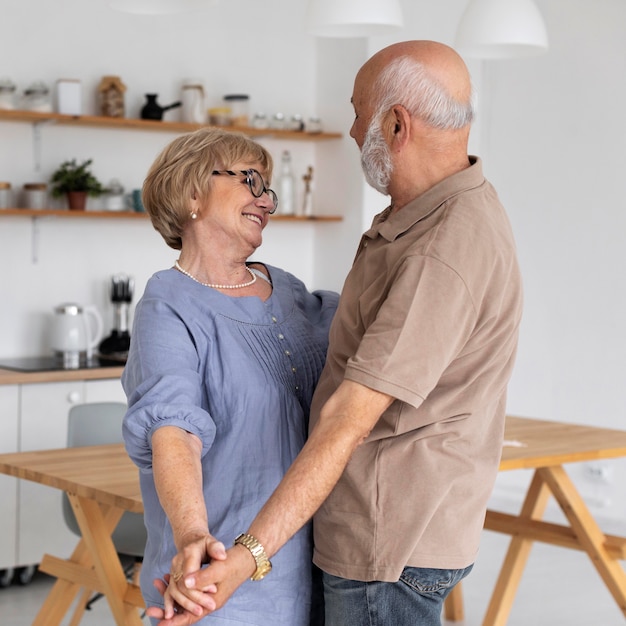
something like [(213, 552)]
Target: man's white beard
[(376, 158)]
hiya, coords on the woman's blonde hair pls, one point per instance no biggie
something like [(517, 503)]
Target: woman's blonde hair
[(183, 171)]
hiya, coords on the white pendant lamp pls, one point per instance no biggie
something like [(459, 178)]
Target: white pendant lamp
[(156, 7), (501, 29), (353, 18)]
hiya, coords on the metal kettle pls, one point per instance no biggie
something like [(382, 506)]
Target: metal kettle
[(75, 331)]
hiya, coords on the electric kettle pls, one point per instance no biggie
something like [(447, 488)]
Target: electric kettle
[(76, 330)]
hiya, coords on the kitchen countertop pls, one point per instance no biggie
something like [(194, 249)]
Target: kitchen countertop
[(11, 377)]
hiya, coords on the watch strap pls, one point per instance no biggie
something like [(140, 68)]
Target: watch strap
[(263, 564)]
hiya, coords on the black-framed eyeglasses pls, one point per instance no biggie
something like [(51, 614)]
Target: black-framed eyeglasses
[(255, 183)]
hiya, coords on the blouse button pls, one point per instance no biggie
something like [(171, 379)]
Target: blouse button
[(281, 336), (294, 370), (287, 353), (274, 319)]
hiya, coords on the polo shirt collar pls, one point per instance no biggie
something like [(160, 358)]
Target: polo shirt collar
[(392, 226)]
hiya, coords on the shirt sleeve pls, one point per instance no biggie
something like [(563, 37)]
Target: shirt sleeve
[(162, 380), (420, 327)]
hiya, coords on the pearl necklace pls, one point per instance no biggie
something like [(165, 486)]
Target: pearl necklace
[(239, 286)]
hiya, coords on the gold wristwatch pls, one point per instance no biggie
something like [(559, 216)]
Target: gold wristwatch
[(263, 565)]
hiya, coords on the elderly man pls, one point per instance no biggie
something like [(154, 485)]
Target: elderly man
[(408, 418)]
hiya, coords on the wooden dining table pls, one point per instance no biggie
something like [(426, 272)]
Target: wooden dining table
[(545, 446), (102, 483)]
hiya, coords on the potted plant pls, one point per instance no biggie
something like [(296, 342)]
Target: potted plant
[(76, 182)]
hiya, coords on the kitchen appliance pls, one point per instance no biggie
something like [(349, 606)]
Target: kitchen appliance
[(74, 333), (116, 345), (152, 110)]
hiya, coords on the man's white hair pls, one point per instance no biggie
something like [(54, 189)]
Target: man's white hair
[(405, 81)]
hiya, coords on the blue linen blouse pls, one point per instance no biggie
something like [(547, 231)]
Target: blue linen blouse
[(239, 373)]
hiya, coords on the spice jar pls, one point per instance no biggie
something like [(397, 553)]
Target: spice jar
[(6, 197), (238, 104), (314, 125), (7, 94), (260, 121), (37, 98), (219, 116), (35, 195)]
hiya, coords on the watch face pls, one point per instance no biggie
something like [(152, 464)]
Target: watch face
[(262, 570)]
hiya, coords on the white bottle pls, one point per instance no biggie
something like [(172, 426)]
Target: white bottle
[(286, 186)]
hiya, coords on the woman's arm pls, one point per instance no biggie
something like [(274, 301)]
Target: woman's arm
[(178, 481)]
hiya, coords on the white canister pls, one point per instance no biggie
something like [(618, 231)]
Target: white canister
[(194, 108), (69, 96)]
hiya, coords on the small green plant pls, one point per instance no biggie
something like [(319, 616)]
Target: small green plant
[(70, 176)]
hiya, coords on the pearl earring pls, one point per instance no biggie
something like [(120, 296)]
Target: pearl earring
[(194, 215)]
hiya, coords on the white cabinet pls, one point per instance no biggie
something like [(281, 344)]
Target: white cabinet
[(43, 425), (9, 407)]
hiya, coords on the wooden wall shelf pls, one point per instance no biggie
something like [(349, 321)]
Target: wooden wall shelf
[(35, 117)]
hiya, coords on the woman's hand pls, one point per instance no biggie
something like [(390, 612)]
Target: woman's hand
[(217, 583), (195, 550)]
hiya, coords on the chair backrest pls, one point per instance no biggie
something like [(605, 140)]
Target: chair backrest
[(95, 423), (99, 423)]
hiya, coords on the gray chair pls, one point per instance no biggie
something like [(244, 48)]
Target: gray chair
[(99, 423)]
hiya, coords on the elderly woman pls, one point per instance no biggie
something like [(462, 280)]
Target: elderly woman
[(224, 358)]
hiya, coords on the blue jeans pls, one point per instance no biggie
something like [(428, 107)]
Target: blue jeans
[(415, 600)]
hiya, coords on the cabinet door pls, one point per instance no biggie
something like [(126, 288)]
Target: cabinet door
[(43, 425), (109, 390), (9, 409)]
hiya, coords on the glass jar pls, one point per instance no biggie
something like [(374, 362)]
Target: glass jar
[(193, 111), (7, 94), (238, 104), (6, 197), (296, 123), (37, 98), (115, 200), (314, 125), (260, 121), (35, 195), (220, 116), (278, 121)]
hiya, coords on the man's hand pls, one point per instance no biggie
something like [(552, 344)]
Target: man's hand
[(211, 587)]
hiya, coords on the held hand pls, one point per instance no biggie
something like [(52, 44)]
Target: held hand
[(225, 575), (181, 617), (194, 551), (217, 583)]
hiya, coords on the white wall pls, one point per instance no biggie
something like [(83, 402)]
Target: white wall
[(237, 46), (551, 132)]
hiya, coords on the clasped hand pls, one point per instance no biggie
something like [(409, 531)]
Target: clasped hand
[(191, 591)]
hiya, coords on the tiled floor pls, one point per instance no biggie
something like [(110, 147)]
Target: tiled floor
[(559, 588)]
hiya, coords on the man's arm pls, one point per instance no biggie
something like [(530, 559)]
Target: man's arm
[(345, 421)]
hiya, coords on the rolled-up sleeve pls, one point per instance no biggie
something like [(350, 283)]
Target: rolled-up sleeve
[(162, 381)]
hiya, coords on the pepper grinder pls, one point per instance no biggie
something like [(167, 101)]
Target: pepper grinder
[(116, 345)]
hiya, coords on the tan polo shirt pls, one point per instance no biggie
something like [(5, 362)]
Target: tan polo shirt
[(429, 314)]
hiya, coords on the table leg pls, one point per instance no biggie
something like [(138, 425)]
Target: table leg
[(589, 535), (510, 575), (63, 592), (105, 559), (453, 604)]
